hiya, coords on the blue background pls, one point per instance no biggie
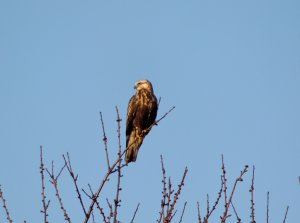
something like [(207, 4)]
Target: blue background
[(231, 68)]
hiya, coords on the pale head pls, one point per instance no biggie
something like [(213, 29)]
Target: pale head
[(143, 84)]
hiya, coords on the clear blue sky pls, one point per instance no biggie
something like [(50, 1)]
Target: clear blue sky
[(231, 68)]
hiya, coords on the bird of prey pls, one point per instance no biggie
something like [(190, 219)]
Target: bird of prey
[(141, 114)]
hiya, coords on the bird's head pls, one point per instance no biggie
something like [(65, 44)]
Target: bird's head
[(143, 84)]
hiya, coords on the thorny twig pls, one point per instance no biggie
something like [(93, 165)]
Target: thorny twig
[(53, 180), (45, 204), (5, 206)]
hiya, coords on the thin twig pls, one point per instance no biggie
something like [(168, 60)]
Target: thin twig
[(252, 197), (5, 206), (111, 210), (104, 141), (236, 214), (198, 213), (97, 203), (164, 191), (225, 216), (74, 178), (207, 205), (117, 200), (96, 195), (93, 217), (176, 196), (45, 204), (169, 194), (216, 202), (182, 213), (224, 181), (136, 210), (159, 100), (286, 212), (268, 207), (53, 180), (157, 121), (172, 216)]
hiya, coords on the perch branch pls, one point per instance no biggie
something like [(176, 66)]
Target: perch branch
[(111, 169)]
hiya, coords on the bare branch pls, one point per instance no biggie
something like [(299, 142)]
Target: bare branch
[(198, 213), (45, 204), (268, 207), (93, 217), (117, 201), (111, 210), (182, 213), (209, 212), (53, 180), (236, 214), (111, 169), (207, 204), (224, 181), (97, 203), (169, 194), (164, 191), (136, 210), (252, 197), (286, 213), (104, 141), (74, 178), (176, 196), (5, 206), (225, 216)]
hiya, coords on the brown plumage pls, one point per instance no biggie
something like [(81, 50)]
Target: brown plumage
[(141, 114)]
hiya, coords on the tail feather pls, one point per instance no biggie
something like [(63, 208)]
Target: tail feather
[(134, 144)]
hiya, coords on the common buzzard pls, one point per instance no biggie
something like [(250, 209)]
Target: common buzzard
[(141, 114)]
